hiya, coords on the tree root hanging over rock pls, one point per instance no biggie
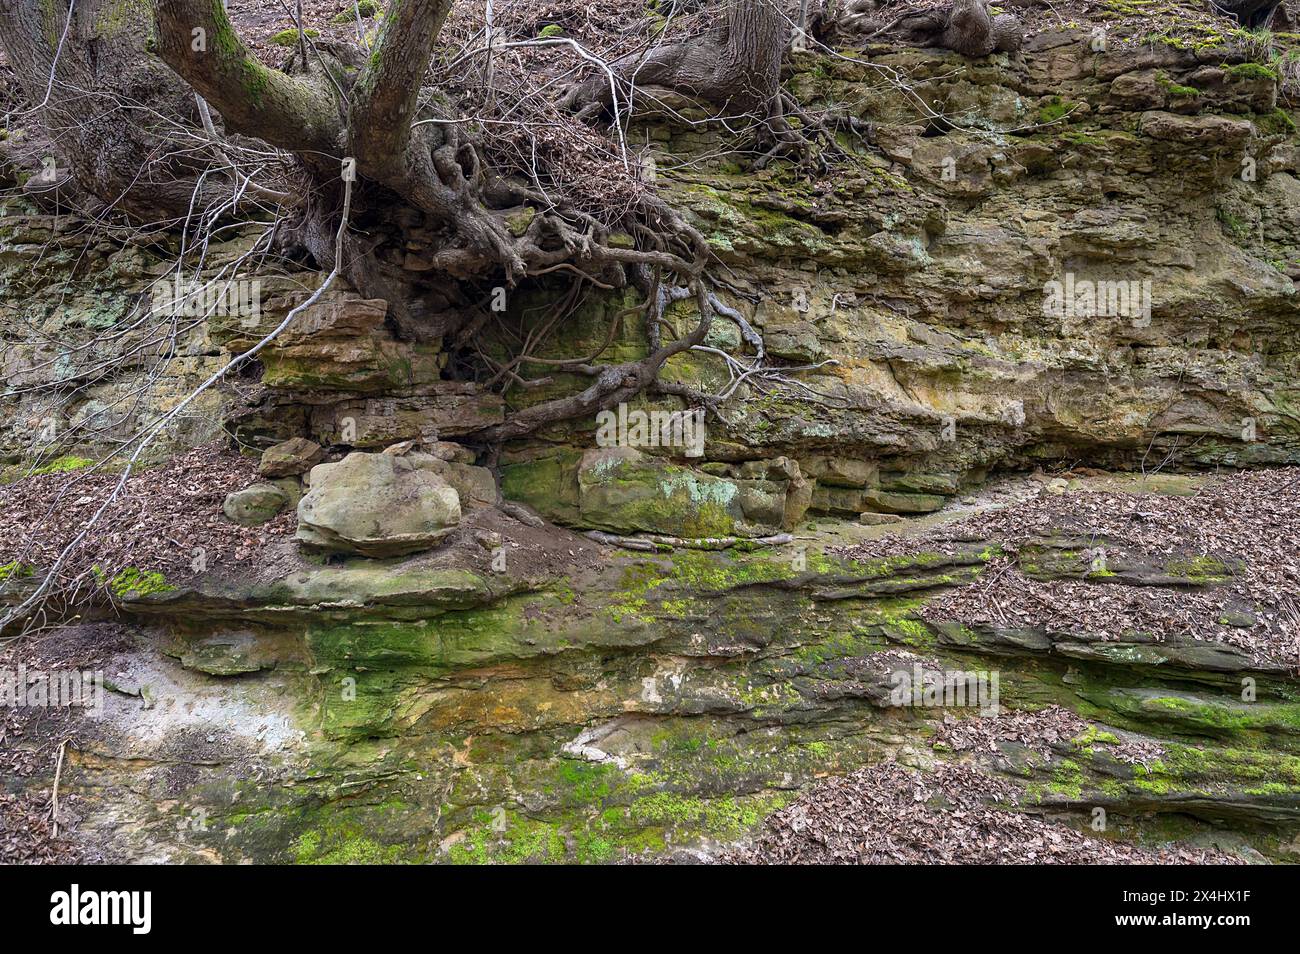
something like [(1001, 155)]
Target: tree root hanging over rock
[(433, 223), (963, 26), (408, 157), (612, 384), (415, 164)]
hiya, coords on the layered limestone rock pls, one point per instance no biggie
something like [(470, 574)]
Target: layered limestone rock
[(1094, 260), (339, 376), (1097, 259)]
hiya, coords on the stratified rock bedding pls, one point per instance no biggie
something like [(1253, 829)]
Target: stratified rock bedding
[(518, 693), (651, 703), (1217, 565)]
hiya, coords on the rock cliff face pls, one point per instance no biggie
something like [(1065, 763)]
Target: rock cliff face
[(949, 288), (1099, 263), (1091, 260)]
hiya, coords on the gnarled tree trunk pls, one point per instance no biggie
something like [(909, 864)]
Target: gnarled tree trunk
[(967, 27), (116, 117), (737, 66)]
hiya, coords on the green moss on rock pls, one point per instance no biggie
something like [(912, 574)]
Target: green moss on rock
[(290, 37)]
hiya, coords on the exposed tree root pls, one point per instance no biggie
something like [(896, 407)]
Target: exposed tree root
[(963, 26), (736, 66)]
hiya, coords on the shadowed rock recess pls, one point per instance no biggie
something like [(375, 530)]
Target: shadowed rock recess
[(995, 561)]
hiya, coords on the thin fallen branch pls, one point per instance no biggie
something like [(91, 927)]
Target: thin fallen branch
[(652, 542), (54, 794), (20, 611)]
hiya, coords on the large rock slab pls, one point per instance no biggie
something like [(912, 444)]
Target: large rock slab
[(342, 343), (623, 490), (377, 505), (476, 486), (441, 409)]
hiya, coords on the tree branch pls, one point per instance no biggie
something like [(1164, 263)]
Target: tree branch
[(198, 41), (387, 95)]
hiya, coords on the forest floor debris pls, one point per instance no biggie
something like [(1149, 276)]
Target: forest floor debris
[(1250, 519), (164, 527), (892, 814), (1041, 731)]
